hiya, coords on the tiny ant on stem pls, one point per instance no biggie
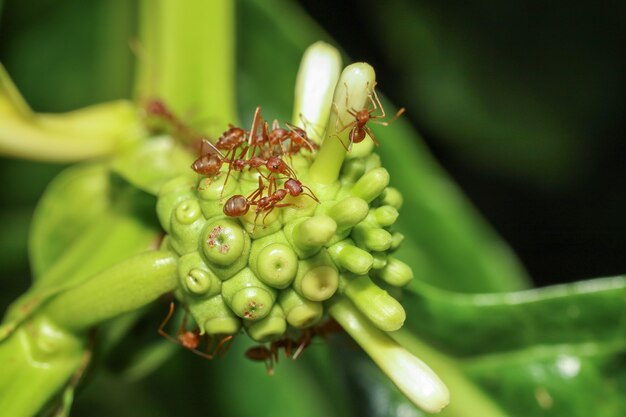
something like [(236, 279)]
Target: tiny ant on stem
[(358, 127)]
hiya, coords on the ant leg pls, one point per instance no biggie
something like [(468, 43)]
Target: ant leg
[(388, 122), (371, 135), (258, 192), (305, 341), (377, 104), (162, 331), (223, 345)]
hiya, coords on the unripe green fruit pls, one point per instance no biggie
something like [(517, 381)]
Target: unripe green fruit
[(247, 296), (186, 223), (196, 277), (213, 316), (317, 278), (299, 311), (171, 193), (269, 328)]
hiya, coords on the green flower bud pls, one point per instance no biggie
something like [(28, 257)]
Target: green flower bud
[(299, 311), (372, 238), (304, 238), (391, 196), (269, 328), (372, 161), (374, 302), (396, 240), (313, 233), (186, 224), (396, 272), (380, 260), (226, 246), (214, 317), (370, 185), (351, 258), (348, 212), (317, 278), (385, 215), (352, 170), (196, 277), (247, 296)]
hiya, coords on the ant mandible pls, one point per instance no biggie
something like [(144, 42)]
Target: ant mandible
[(361, 117)]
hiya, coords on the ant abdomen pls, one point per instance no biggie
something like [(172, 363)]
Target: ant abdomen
[(236, 206)]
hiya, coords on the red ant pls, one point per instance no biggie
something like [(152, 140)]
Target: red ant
[(362, 117), (208, 163), (296, 136), (191, 339), (157, 109), (270, 355), (239, 205)]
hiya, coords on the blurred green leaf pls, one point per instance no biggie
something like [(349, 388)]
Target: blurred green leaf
[(149, 164)]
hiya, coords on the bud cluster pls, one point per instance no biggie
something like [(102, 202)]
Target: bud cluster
[(273, 273)]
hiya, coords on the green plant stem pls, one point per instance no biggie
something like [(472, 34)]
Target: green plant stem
[(124, 287), (187, 59)]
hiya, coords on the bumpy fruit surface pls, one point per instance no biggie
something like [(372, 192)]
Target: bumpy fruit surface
[(272, 271)]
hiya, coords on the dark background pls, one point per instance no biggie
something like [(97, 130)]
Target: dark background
[(522, 103)]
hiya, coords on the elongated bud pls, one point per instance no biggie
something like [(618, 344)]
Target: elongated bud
[(299, 311), (247, 296), (396, 241), (196, 277), (352, 170), (412, 376), (375, 303), (385, 215), (391, 196), (372, 238), (349, 212), (380, 260), (371, 185), (317, 278), (311, 234), (351, 258), (396, 272), (353, 90), (270, 327), (317, 77)]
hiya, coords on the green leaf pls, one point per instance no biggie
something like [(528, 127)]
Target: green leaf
[(555, 351), (478, 324), (88, 220), (62, 213)]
